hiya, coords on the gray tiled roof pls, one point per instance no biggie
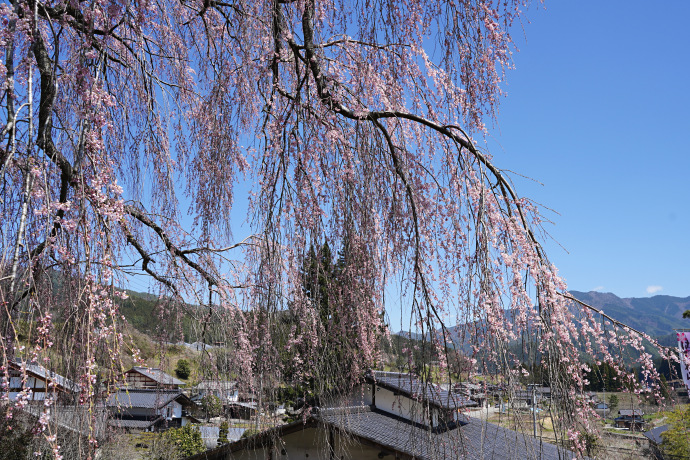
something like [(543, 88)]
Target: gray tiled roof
[(157, 375), (630, 413), (45, 374), (410, 386), (137, 424), (474, 440), (654, 435), (149, 399)]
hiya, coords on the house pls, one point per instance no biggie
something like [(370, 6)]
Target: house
[(151, 378), (224, 390), (399, 417), (655, 440), (630, 419), (39, 383), (241, 410), (404, 395), (194, 346), (534, 394), (149, 410), (473, 391), (602, 409)]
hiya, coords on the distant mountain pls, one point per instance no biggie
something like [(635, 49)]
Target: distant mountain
[(657, 316)]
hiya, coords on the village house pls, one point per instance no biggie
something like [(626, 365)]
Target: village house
[(241, 410), (39, 383), (421, 402), (602, 409), (654, 438), (473, 391), (149, 410), (533, 395), (630, 419), (150, 400), (150, 378), (393, 415), (224, 390)]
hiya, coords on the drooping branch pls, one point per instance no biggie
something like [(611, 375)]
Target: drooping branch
[(169, 245), (69, 180), (615, 322), (445, 130)]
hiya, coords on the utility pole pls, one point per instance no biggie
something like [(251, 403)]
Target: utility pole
[(534, 410)]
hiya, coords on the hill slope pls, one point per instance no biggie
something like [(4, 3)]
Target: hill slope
[(657, 315)]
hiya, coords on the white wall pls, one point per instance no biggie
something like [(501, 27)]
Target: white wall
[(176, 409), (403, 406), (32, 383)]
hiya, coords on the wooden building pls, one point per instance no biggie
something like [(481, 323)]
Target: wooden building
[(630, 419), (149, 410), (151, 378), (34, 382)]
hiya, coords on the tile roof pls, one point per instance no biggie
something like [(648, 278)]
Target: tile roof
[(630, 413), (654, 435), (148, 399), (77, 419), (410, 386), (158, 375), (45, 374), (473, 440), (137, 424)]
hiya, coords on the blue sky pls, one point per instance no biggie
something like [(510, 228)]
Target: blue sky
[(598, 111)]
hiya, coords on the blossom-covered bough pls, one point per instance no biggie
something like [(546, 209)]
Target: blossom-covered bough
[(130, 126)]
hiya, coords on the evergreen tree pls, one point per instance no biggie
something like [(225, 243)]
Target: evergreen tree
[(327, 284), (613, 402), (223, 434), (183, 369)]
